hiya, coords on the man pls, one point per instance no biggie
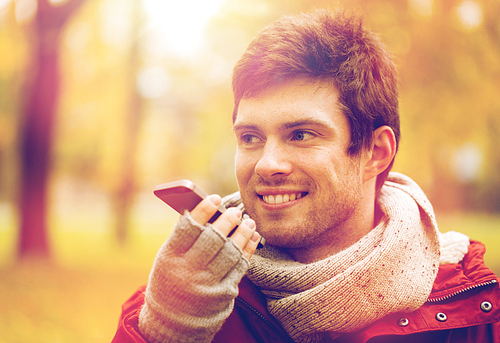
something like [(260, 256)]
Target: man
[(353, 253)]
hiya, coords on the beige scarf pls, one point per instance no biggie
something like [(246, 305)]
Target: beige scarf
[(389, 270)]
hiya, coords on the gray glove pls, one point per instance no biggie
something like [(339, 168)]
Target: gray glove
[(192, 285)]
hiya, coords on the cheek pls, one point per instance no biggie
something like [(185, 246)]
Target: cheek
[(316, 161), (327, 166), (243, 168)]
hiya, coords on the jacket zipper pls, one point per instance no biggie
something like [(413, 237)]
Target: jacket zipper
[(265, 320), (487, 283)]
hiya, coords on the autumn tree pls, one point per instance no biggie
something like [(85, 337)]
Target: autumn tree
[(37, 126), (123, 197)]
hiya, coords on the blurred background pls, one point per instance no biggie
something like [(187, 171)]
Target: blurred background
[(101, 100)]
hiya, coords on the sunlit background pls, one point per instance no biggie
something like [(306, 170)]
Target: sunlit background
[(101, 100)]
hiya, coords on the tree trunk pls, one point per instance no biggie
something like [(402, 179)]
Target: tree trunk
[(37, 129), (124, 196)]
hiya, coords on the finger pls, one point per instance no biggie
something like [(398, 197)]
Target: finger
[(246, 237), (252, 245), (228, 220), (206, 209), (243, 233)]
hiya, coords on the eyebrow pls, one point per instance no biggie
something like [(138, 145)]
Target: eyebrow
[(304, 122), (285, 126)]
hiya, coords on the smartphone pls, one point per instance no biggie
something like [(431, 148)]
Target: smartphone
[(184, 195)]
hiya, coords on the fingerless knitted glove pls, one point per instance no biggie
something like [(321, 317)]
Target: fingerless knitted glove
[(192, 285)]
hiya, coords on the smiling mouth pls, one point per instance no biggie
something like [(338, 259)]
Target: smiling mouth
[(281, 198)]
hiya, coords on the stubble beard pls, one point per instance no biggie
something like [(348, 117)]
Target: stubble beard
[(326, 221)]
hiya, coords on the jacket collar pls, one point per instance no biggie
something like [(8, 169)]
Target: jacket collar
[(470, 273), (465, 297)]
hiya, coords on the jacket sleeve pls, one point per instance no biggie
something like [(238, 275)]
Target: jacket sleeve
[(128, 331), (246, 324), (128, 328)]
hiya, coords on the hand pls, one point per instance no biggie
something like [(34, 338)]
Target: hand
[(195, 275), (245, 235)]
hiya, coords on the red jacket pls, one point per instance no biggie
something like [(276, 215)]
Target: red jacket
[(464, 306)]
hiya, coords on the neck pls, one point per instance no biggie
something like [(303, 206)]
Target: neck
[(360, 223)]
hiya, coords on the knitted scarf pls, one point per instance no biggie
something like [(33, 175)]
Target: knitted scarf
[(391, 269)]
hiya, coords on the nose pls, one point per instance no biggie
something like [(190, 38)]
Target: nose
[(274, 161)]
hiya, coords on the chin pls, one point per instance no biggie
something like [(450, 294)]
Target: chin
[(284, 235)]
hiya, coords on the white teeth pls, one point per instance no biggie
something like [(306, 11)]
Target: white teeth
[(281, 198)]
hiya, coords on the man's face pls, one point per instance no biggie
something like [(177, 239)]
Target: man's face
[(295, 177)]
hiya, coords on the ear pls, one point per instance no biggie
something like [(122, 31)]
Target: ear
[(381, 154)]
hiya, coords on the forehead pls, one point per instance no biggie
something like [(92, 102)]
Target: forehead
[(298, 100)]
